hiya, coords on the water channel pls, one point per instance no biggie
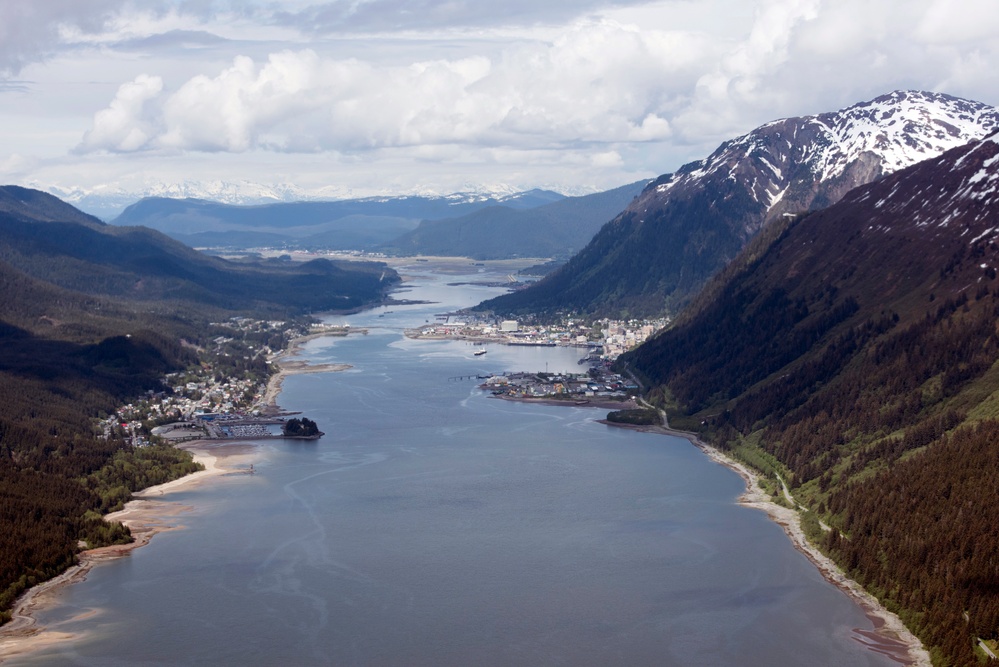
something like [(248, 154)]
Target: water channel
[(436, 525)]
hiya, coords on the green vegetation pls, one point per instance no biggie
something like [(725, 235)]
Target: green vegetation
[(300, 428), (93, 318), (134, 469), (638, 417), (865, 424)]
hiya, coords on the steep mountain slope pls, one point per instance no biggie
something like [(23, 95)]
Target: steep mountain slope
[(137, 263), (858, 355), (685, 226), (350, 224), (499, 232)]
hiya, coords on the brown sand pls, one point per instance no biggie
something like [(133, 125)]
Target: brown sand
[(150, 513), (288, 365)]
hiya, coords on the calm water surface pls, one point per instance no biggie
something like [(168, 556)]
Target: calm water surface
[(434, 525)]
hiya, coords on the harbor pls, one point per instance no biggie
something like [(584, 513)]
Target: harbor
[(228, 427)]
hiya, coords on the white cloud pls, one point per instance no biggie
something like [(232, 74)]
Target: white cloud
[(590, 92), (809, 56), (345, 16), (949, 21), (599, 82), (743, 76), (123, 126)]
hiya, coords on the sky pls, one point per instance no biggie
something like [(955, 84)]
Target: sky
[(350, 98)]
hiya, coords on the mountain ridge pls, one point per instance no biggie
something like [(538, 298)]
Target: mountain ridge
[(501, 232), (686, 226), (349, 224), (108, 201), (55, 243)]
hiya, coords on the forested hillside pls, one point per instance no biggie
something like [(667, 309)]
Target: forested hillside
[(136, 263), (92, 317), (855, 351)]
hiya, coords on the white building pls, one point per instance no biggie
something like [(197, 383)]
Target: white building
[(508, 326)]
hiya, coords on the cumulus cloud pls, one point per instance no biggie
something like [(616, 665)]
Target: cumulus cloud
[(743, 77), (375, 84), (810, 56), (599, 82), (123, 126), (947, 21)]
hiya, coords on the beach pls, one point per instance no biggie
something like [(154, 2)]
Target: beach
[(890, 637), (149, 513), (287, 364)]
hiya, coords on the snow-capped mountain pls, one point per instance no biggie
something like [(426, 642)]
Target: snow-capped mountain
[(786, 165), (108, 201), (906, 245), (685, 226), (961, 193)]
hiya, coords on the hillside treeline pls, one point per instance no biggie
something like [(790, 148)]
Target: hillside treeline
[(55, 470), (856, 352), (865, 430)]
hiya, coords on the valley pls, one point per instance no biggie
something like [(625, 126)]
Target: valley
[(813, 303)]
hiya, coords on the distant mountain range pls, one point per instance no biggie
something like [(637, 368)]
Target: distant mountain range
[(684, 227), (109, 201), (855, 352), (350, 224), (557, 229)]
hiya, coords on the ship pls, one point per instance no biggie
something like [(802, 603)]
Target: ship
[(479, 352)]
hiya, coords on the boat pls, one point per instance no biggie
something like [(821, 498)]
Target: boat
[(479, 352)]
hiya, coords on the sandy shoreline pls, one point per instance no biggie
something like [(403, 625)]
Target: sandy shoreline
[(288, 365), (890, 637), (150, 513)]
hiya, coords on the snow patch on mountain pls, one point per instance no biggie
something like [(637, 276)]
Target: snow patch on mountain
[(889, 133), (108, 201), (962, 190), (901, 128)]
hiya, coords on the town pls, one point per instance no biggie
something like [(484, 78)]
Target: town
[(605, 339), (597, 387), (225, 395)]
